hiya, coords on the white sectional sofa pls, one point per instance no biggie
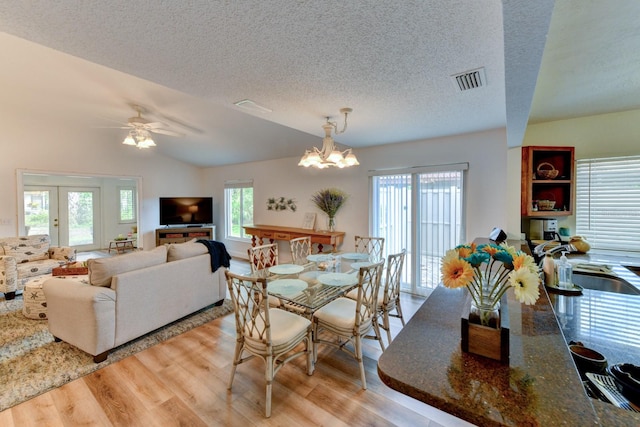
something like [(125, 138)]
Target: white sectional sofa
[(25, 257), (132, 294)]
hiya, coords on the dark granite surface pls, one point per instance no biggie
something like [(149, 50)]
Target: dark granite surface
[(540, 386)]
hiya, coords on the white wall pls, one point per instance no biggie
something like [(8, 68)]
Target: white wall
[(58, 148), (606, 135), (486, 199), (64, 149)]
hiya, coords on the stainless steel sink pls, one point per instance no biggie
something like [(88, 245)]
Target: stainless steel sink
[(604, 283), (633, 268)]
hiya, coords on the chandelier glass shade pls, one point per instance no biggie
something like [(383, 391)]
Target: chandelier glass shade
[(329, 155), (140, 138)]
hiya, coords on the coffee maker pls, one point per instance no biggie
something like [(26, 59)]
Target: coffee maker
[(543, 228)]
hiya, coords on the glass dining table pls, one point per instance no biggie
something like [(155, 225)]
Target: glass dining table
[(312, 283)]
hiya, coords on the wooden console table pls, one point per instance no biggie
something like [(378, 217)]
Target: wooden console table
[(276, 232)]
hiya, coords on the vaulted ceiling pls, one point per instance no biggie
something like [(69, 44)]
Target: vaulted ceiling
[(186, 63)]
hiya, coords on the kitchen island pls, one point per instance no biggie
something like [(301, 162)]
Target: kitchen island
[(540, 386)]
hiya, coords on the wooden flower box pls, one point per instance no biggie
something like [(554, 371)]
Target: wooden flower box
[(69, 271), (484, 340)]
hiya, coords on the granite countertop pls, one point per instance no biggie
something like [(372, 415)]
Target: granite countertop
[(539, 386)]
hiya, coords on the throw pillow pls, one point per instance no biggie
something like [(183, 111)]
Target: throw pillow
[(184, 250), (101, 270)]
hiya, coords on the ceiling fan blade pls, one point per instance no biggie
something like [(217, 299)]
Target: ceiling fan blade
[(166, 132), (154, 125)]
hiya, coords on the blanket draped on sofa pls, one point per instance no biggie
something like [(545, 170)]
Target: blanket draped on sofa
[(218, 253)]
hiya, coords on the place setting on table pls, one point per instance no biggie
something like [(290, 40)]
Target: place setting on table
[(316, 280)]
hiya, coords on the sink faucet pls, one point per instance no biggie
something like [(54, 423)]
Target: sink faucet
[(539, 250)]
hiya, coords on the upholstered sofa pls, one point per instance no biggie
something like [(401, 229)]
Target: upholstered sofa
[(133, 294), (23, 258)]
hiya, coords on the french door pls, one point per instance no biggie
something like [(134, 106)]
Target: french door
[(420, 210), (70, 215)]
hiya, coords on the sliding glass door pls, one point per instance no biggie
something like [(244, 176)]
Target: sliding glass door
[(420, 210)]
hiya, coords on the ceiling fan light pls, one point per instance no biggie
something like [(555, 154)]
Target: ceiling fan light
[(146, 143), (129, 140)]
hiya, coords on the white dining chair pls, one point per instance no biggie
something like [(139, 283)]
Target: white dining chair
[(300, 248), (389, 298), (374, 246), (264, 256), (269, 333), (349, 321)]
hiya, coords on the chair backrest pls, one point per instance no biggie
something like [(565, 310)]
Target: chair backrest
[(368, 286), (300, 248), (395, 262), (251, 307), (374, 246), (261, 257)]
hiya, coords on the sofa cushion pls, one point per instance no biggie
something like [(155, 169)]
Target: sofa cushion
[(184, 250), (26, 248), (101, 270)]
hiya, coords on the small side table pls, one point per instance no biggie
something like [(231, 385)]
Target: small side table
[(121, 246)]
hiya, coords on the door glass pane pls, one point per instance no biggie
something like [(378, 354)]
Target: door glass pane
[(392, 216), (440, 219), (36, 212), (80, 205)]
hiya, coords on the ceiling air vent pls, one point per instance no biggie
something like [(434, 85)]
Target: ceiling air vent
[(249, 105), (470, 79)]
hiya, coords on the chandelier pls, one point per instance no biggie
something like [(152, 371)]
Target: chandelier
[(140, 138), (329, 155)]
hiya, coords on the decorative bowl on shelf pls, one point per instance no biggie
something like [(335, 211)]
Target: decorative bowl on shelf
[(546, 205)]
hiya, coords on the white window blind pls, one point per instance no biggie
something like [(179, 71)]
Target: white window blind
[(126, 203), (608, 202)]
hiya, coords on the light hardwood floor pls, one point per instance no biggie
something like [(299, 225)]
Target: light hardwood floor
[(183, 382)]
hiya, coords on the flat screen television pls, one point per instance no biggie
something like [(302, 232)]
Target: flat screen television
[(186, 211)]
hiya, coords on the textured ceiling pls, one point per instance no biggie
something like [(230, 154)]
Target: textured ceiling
[(188, 62), (590, 64)]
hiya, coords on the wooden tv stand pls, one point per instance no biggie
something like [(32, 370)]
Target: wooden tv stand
[(276, 232), (183, 234)]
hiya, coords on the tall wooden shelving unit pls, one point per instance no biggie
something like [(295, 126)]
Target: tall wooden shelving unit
[(561, 189)]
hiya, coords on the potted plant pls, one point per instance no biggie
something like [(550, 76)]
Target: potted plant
[(329, 201)]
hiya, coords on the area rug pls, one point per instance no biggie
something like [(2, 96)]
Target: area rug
[(31, 363)]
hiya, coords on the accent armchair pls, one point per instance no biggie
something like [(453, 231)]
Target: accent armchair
[(22, 258)]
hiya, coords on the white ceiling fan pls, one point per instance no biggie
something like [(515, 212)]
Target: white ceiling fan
[(139, 122), (140, 128)]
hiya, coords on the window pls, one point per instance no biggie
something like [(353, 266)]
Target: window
[(608, 202), (127, 204), (419, 209), (238, 198)]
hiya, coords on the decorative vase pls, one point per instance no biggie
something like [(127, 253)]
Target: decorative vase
[(331, 223), (485, 306), (490, 339), (485, 313)]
